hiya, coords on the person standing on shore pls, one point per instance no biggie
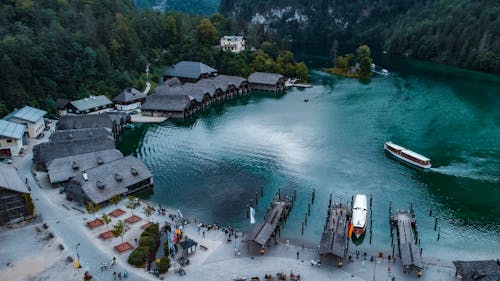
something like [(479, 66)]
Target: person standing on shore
[(297, 254)]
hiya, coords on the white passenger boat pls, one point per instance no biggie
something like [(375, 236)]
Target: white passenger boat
[(407, 156), (359, 213)]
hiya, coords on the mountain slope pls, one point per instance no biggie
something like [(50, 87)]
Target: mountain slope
[(458, 32)]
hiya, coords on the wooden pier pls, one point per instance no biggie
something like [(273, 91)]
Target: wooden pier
[(334, 239), (276, 215), (406, 229)]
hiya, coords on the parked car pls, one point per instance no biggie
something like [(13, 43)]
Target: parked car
[(40, 136)]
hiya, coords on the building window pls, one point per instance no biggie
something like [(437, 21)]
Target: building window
[(9, 141)]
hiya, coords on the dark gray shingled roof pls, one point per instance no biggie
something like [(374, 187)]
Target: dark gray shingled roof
[(234, 80), (68, 122), (189, 69), (10, 179), (265, 78), (62, 103), (129, 95), (173, 82), (160, 102), (115, 176), (118, 117), (221, 84), (91, 102), (63, 135), (478, 270), (64, 168), (48, 151)]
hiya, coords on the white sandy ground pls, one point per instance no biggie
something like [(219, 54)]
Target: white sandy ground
[(26, 254), (31, 258)]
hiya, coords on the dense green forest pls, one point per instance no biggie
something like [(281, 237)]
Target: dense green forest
[(464, 33), (76, 48), (195, 7)]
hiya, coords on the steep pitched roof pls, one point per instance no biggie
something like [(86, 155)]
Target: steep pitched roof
[(110, 179), (11, 130), (10, 179), (68, 122), (189, 69), (488, 270), (64, 135), (234, 80), (62, 103), (27, 113), (166, 102), (129, 95), (233, 38), (221, 84), (265, 78), (91, 102), (64, 168), (48, 151)]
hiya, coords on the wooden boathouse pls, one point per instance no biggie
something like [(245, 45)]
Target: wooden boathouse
[(264, 81), (275, 217), (406, 226), (335, 240)]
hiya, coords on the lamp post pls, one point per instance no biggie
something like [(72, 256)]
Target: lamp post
[(77, 265)]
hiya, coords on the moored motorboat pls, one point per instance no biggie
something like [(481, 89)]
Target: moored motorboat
[(359, 212), (407, 156)]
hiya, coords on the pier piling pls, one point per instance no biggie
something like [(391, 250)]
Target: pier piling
[(302, 228), (430, 212), (330, 201), (305, 219), (439, 234), (308, 209), (256, 198), (435, 223), (261, 191), (313, 194)]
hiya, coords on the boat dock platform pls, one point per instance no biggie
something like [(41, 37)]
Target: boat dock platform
[(406, 229), (334, 239), (292, 83), (273, 220)]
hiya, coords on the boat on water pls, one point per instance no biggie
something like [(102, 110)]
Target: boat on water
[(407, 156), (359, 213)]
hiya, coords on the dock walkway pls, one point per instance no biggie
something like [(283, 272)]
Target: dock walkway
[(334, 239), (409, 252), (275, 216)]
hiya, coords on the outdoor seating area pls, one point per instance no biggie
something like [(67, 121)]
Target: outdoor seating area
[(106, 235), (95, 223), (117, 212), (123, 247), (133, 219)]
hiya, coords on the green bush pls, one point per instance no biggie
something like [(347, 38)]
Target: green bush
[(138, 257), (148, 241), (152, 229), (164, 264)]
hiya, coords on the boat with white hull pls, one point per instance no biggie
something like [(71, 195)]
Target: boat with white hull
[(359, 213), (407, 156)]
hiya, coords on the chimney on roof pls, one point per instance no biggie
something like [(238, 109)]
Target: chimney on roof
[(100, 161), (129, 90), (75, 165), (100, 184), (118, 177), (134, 171), (85, 176)]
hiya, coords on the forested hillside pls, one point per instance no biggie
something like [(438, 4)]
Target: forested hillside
[(76, 48), (465, 33), (195, 7)]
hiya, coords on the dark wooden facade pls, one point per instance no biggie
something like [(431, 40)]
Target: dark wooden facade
[(13, 206)]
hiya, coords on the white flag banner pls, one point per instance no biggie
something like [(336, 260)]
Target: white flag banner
[(252, 215)]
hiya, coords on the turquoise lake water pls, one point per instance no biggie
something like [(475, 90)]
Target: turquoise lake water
[(211, 166)]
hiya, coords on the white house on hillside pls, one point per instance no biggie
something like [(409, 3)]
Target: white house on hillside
[(234, 44), (11, 138)]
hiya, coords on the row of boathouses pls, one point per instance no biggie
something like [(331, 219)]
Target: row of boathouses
[(191, 87)]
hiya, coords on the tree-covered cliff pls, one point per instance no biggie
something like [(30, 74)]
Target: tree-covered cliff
[(465, 33), (75, 48)]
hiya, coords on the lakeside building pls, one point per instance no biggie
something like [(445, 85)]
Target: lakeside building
[(111, 121), (233, 43), (85, 133), (92, 104), (189, 71), (264, 81), (161, 105), (31, 118), (488, 270), (11, 138), (129, 99), (62, 104), (45, 153), (120, 177), (64, 168), (15, 201)]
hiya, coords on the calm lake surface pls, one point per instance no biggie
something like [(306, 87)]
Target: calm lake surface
[(210, 167)]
